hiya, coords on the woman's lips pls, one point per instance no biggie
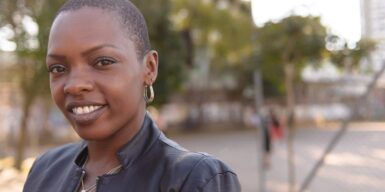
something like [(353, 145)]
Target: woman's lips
[(86, 114)]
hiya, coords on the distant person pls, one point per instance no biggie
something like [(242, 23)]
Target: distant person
[(266, 143), (275, 126), (251, 118), (101, 70)]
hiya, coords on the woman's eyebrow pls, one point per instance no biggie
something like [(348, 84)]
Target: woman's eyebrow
[(62, 57), (97, 48), (56, 56)]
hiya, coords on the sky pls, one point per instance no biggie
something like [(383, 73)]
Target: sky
[(342, 17)]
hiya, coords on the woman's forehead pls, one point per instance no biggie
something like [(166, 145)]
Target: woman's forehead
[(91, 18), (86, 26)]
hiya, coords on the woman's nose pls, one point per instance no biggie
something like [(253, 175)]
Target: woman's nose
[(78, 83)]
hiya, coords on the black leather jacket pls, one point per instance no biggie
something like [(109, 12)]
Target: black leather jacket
[(151, 162)]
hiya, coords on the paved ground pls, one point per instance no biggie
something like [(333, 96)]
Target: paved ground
[(357, 164)]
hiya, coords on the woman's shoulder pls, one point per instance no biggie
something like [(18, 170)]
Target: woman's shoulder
[(62, 153), (199, 170), (55, 163), (182, 157), (211, 174)]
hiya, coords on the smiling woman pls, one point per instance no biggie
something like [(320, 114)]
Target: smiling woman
[(101, 68)]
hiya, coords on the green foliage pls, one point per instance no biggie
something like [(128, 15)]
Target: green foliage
[(169, 44), (224, 27), (31, 48), (221, 30), (294, 40), (346, 57)]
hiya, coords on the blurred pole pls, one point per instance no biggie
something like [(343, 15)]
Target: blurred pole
[(261, 138), (290, 104), (258, 90), (344, 126)]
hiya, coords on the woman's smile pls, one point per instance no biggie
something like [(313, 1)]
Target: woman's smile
[(85, 113), (85, 109)]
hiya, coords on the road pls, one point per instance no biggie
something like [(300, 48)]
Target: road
[(357, 163)]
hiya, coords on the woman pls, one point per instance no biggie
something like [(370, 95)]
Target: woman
[(101, 74)]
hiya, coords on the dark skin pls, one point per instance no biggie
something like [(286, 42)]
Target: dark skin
[(97, 80)]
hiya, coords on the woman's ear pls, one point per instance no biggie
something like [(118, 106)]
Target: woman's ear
[(151, 67)]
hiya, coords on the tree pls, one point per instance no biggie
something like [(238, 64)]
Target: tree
[(346, 57), (169, 43), (30, 49), (212, 25), (217, 37), (284, 48), (216, 32)]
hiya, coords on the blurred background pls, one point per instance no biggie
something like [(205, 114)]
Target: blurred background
[(289, 93)]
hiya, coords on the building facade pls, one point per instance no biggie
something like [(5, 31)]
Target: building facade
[(373, 27)]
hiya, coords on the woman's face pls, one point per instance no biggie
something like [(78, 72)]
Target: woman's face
[(95, 77)]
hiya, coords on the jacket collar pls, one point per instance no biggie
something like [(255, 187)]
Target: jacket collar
[(133, 149), (140, 143)]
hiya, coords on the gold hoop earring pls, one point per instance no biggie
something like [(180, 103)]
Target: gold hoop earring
[(149, 94)]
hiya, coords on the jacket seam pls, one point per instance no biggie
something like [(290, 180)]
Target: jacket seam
[(191, 170), (221, 173)]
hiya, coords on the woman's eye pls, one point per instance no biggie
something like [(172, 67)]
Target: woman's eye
[(56, 69), (104, 61)]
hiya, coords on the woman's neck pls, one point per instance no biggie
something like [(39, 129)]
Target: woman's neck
[(106, 150)]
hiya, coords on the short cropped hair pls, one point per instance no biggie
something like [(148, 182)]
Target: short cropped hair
[(129, 16)]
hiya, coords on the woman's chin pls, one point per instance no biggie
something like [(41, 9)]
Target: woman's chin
[(93, 135)]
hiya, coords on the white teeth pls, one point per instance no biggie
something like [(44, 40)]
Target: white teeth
[(85, 109)]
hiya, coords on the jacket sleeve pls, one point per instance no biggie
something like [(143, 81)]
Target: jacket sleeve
[(211, 175)]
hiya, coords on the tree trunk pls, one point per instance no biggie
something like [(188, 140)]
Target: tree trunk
[(290, 102), (23, 132), (189, 45)]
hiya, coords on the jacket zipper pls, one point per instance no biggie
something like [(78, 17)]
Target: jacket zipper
[(80, 181), (97, 183)]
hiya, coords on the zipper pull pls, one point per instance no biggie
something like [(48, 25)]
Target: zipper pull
[(97, 183)]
